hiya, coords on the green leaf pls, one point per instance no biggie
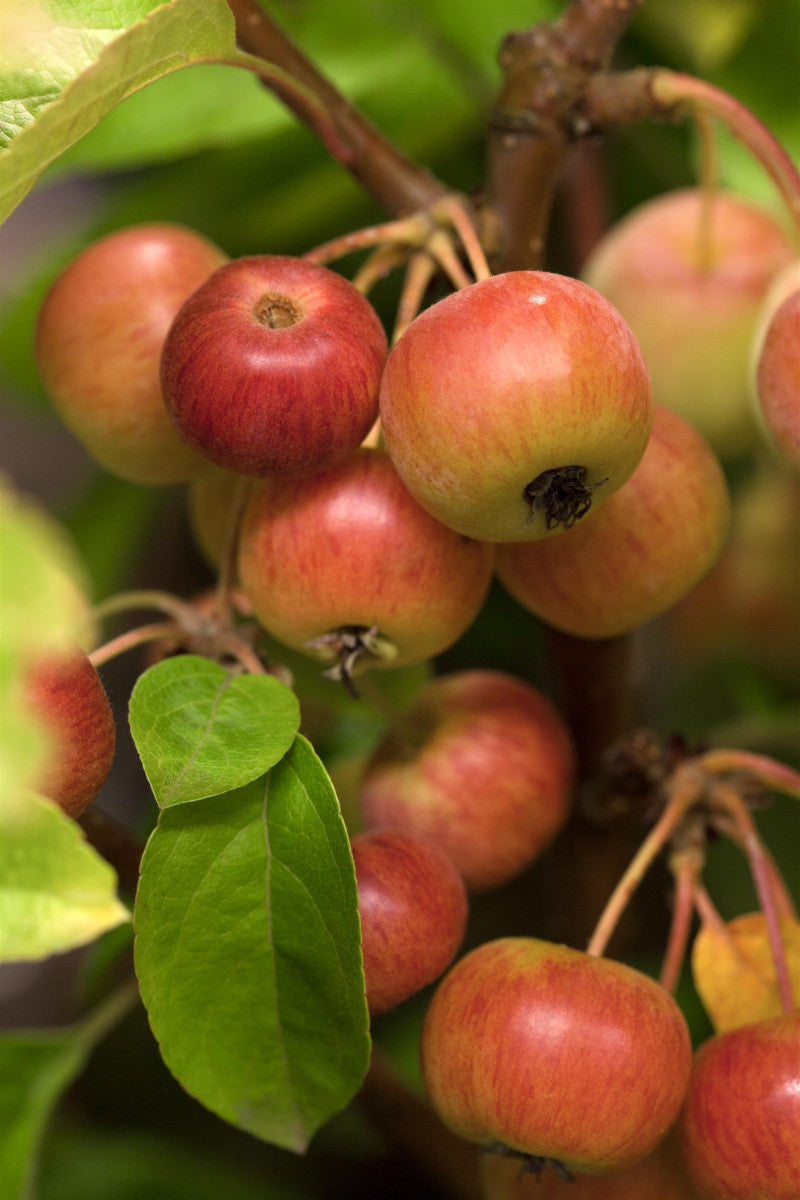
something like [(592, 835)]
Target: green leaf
[(202, 730), (248, 952), (35, 1068), (65, 65), (56, 892)]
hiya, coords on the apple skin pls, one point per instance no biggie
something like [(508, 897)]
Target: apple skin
[(481, 765), (749, 602), (66, 693), (694, 316), (210, 496), (740, 1122), (413, 910), (351, 547), (648, 545), (98, 346), (272, 367), (778, 379), (513, 376), (549, 1051), (660, 1176)]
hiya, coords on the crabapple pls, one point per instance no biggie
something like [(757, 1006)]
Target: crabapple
[(560, 1055), (778, 378), (750, 600), (98, 346), (512, 406), (649, 544), (740, 1121), (688, 271), (272, 367), (661, 1175), (210, 496), (346, 566), (413, 910), (66, 693), (481, 764)]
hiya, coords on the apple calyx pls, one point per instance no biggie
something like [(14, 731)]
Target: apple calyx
[(531, 1164), (351, 646), (275, 311), (561, 494)]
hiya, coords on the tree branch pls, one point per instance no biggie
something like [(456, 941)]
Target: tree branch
[(538, 116), (399, 184)]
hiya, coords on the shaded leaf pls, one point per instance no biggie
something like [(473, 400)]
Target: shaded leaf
[(202, 730), (107, 1163), (35, 1068), (248, 952)]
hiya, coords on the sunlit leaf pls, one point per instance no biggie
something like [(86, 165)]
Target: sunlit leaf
[(201, 729), (56, 892), (248, 952)]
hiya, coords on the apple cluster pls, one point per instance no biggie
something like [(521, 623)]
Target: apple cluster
[(511, 431)]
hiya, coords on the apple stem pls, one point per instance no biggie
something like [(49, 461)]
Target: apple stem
[(710, 915), (378, 265), (418, 275), (454, 210), (709, 180), (158, 631), (406, 231), (673, 89), (772, 774), (686, 788), (440, 247), (686, 865), (164, 602), (743, 830)]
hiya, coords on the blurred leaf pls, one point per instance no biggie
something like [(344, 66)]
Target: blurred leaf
[(735, 976), (35, 1068), (248, 952), (701, 36), (109, 1164), (202, 730), (66, 65), (106, 506), (56, 892)]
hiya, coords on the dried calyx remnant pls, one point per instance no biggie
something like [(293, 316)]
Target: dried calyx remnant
[(351, 646), (561, 494), (531, 1164), (276, 312)]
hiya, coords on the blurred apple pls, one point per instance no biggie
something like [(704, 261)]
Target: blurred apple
[(689, 272), (98, 346)]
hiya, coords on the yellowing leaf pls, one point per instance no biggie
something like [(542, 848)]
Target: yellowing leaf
[(56, 892), (735, 977)]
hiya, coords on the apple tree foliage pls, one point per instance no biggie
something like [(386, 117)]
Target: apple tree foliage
[(247, 941)]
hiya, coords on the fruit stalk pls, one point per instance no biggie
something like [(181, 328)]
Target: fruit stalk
[(746, 835), (686, 789)]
